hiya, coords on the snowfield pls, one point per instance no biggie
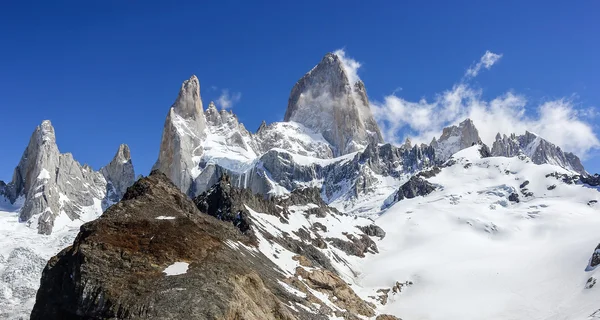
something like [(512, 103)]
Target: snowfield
[(472, 254), (24, 253)]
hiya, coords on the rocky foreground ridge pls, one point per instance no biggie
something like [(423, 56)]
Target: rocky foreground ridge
[(117, 266)]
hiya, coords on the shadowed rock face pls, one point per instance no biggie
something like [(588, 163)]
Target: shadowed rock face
[(413, 188), (114, 269), (325, 101), (119, 174)]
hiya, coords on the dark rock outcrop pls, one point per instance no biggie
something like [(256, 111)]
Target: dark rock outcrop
[(373, 230), (591, 180), (413, 188), (115, 267), (595, 259), (514, 197)]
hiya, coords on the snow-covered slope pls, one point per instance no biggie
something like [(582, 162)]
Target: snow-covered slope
[(471, 253), (24, 253)]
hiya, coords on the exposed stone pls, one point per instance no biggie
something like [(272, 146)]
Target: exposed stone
[(591, 180), (329, 283), (119, 174), (595, 260), (414, 187), (183, 133), (356, 246), (386, 317), (590, 283), (328, 101), (513, 197), (373, 230), (456, 138), (539, 150), (54, 183), (114, 269)]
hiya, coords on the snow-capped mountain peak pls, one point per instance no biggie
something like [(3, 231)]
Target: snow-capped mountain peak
[(326, 102)]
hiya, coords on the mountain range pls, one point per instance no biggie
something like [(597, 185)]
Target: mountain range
[(314, 217)]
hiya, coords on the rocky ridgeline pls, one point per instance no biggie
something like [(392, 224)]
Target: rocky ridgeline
[(539, 150), (51, 183), (329, 140), (116, 267)]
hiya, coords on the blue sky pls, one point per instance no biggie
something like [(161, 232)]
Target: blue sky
[(106, 73)]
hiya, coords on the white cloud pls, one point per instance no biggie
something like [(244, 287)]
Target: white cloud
[(558, 121), (350, 65), (227, 100), (486, 61)]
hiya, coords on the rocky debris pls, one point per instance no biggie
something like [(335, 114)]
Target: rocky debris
[(53, 183), (568, 179), (551, 187), (592, 202), (330, 102), (183, 133), (524, 191), (372, 230), (308, 250), (429, 173), (115, 267), (414, 187), (590, 283), (356, 246), (387, 317), (398, 286), (591, 180), (337, 290), (539, 150), (395, 289), (119, 174), (514, 197), (454, 139), (383, 296)]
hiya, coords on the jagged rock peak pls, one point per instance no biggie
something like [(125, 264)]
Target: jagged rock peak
[(119, 174), (539, 150), (326, 101), (183, 133), (456, 138), (188, 103), (46, 131)]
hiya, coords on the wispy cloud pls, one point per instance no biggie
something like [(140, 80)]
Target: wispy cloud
[(350, 65), (486, 61), (227, 99), (561, 121)]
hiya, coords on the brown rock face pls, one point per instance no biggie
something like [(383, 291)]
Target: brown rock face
[(338, 291), (115, 267)]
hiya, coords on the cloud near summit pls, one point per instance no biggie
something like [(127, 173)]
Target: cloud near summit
[(560, 121)]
